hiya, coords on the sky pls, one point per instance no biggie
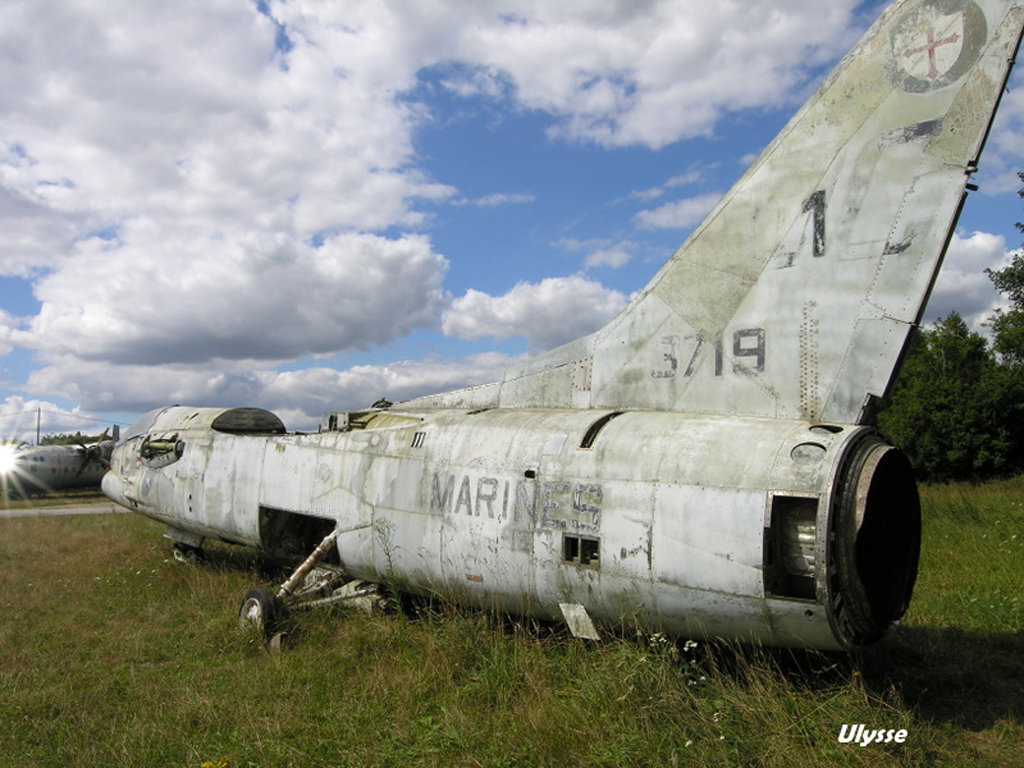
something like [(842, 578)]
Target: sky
[(307, 206)]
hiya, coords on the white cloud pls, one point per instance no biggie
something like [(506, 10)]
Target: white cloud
[(962, 285), (495, 199), (615, 73), (236, 193), (653, 73), (184, 116), (600, 252), (20, 419), (8, 327), (299, 397), (320, 389), (678, 214), (552, 312), (170, 299), (469, 81), (653, 193), (684, 179), (616, 256), (1006, 143), (645, 195)]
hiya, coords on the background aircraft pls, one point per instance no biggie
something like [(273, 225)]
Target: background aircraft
[(26, 470), (703, 465)]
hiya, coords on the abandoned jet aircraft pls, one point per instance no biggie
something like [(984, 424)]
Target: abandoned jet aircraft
[(26, 470), (703, 465)]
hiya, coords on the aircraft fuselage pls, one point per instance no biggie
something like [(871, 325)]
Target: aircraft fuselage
[(776, 531)]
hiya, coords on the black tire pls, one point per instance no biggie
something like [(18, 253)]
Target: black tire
[(262, 611)]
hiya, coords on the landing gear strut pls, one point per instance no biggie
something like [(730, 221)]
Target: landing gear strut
[(310, 586)]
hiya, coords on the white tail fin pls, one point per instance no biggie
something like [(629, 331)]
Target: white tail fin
[(796, 296)]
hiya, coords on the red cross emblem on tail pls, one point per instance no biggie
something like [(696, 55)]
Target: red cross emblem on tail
[(936, 42), (930, 49)]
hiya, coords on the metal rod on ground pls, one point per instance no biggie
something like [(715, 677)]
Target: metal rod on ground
[(371, 591)]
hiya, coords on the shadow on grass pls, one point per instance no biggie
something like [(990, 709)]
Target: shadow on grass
[(258, 570), (969, 679)]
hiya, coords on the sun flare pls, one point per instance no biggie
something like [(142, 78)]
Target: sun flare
[(8, 458)]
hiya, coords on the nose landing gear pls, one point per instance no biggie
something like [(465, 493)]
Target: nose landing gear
[(310, 586)]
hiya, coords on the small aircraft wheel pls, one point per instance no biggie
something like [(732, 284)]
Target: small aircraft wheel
[(187, 554), (263, 611)]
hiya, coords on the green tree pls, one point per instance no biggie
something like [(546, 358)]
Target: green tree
[(1008, 324), (958, 407), (66, 439), (949, 410)]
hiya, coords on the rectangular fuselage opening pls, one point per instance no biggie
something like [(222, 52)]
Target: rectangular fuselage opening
[(790, 545), (581, 550), (292, 536)]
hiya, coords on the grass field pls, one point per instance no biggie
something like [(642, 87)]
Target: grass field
[(112, 654)]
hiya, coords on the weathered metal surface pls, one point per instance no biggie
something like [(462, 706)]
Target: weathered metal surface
[(579, 621), (665, 519), (700, 466)]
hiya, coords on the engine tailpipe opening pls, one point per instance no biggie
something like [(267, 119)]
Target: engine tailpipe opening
[(876, 542)]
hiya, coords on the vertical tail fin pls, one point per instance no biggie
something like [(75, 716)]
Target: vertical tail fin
[(796, 296)]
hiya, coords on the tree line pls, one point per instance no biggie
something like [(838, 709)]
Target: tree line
[(76, 439), (957, 410)]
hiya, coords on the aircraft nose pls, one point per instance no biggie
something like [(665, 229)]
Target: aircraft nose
[(111, 485)]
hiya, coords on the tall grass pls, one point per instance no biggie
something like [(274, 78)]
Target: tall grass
[(113, 654)]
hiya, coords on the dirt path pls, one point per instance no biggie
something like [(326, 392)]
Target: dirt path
[(96, 508)]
